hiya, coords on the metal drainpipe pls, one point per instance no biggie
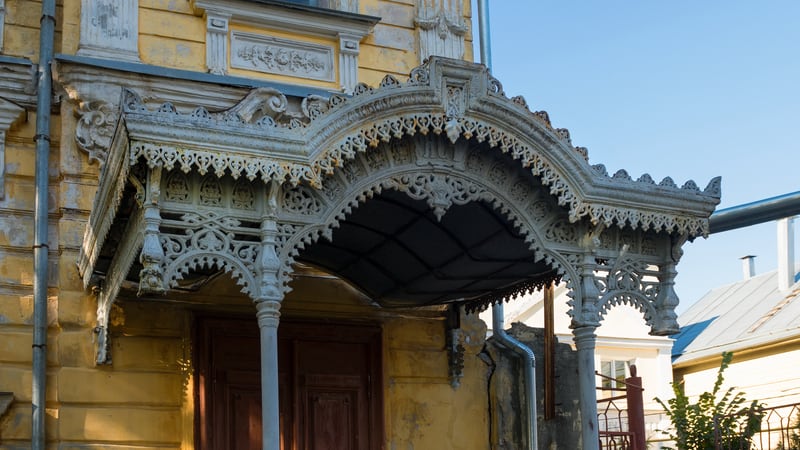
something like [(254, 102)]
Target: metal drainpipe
[(40, 246), (529, 368), (497, 309)]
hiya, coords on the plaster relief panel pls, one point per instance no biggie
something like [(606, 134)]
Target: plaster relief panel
[(441, 28), (282, 56), (110, 29)]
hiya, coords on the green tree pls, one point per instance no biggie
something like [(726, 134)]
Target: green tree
[(718, 419)]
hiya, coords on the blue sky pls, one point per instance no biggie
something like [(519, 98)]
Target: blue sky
[(686, 89)]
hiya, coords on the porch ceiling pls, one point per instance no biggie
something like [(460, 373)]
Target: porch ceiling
[(395, 250)]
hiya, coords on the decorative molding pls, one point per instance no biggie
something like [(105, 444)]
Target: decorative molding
[(448, 136), (335, 132), (279, 56), (10, 115), (217, 42), (95, 128), (349, 48), (110, 29), (282, 56), (441, 29)]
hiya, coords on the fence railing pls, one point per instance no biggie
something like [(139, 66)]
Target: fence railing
[(779, 430), (620, 418)]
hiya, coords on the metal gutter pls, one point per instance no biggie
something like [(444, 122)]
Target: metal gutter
[(754, 213), (498, 331), (40, 245)]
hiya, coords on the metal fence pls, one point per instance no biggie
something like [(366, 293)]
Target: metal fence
[(620, 418), (779, 430)]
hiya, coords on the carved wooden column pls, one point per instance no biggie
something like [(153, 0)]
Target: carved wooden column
[(268, 304), (151, 276), (585, 338)]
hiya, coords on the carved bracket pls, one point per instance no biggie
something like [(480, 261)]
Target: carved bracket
[(10, 115), (95, 129)]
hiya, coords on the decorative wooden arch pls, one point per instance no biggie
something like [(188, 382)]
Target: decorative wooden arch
[(263, 180)]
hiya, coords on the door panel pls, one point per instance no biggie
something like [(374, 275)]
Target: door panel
[(327, 398)]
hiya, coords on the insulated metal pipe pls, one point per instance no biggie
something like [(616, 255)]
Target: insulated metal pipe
[(753, 213), (40, 245), (528, 358)]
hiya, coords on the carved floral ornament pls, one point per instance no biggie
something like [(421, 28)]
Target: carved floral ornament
[(331, 131), (320, 161)]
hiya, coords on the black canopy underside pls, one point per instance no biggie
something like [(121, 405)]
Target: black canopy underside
[(395, 250)]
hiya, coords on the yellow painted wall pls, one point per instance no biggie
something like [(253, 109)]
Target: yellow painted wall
[(145, 398)]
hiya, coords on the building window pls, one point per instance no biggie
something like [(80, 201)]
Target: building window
[(615, 372)]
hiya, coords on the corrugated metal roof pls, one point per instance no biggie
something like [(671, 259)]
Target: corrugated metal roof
[(742, 315)]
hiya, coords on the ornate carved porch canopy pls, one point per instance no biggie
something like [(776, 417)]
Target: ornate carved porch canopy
[(493, 199)]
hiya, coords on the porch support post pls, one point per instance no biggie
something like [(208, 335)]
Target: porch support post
[(585, 339), (268, 314), (268, 304), (585, 322)]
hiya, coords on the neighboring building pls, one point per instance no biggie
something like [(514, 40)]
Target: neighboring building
[(758, 319), (265, 221)]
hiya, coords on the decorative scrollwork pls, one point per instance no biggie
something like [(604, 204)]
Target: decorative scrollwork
[(243, 196), (440, 192), (629, 281), (177, 188), (95, 128), (210, 191), (301, 200), (208, 242)]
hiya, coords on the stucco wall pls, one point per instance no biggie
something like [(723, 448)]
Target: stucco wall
[(145, 398)]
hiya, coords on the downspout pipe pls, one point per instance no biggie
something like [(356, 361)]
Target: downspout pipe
[(498, 331), (529, 369), (40, 245)]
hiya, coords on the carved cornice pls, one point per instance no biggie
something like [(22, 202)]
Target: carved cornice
[(310, 148), (332, 132)]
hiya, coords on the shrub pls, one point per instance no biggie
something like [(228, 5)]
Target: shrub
[(725, 421)]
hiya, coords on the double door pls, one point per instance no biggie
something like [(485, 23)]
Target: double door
[(329, 378)]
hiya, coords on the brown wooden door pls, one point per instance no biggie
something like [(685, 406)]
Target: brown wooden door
[(330, 397)]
